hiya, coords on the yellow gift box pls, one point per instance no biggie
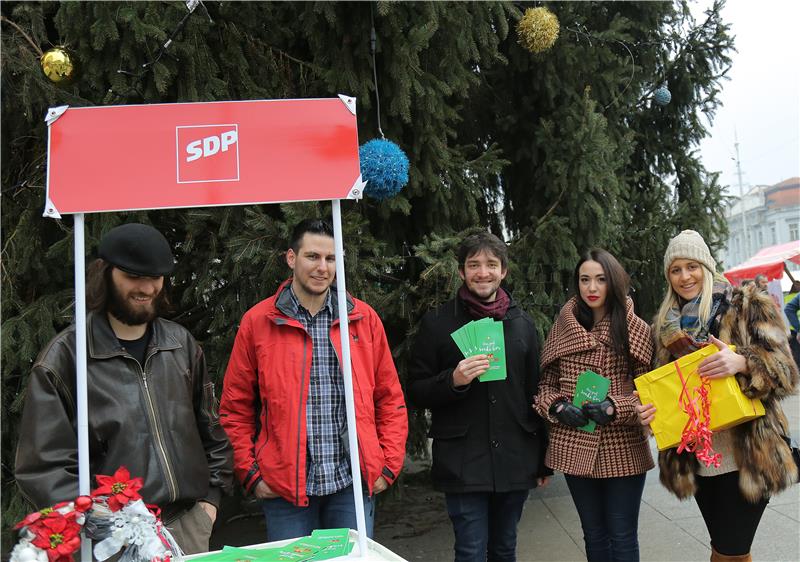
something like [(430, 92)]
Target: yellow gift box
[(662, 388)]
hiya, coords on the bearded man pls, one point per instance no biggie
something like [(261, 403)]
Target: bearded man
[(151, 405)]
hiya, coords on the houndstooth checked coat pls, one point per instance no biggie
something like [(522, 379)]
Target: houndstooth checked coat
[(619, 448)]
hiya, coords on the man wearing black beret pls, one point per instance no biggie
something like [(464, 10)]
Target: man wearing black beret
[(151, 405)]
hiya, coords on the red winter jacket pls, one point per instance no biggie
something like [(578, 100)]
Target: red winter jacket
[(263, 407)]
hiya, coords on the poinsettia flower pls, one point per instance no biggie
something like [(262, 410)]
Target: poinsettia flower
[(59, 522), (119, 489), (59, 536), (32, 518)]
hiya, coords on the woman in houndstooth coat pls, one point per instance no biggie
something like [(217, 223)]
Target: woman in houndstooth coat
[(605, 469)]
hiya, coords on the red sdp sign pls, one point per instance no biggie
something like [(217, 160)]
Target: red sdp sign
[(112, 158)]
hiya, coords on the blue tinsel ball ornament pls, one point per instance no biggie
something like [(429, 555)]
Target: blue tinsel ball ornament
[(662, 96), (384, 166)]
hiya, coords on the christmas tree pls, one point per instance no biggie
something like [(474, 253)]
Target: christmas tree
[(556, 151)]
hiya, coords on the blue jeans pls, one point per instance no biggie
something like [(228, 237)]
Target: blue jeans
[(485, 524), (335, 511), (609, 512)]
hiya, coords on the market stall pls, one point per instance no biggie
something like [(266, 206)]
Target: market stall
[(167, 156), (771, 261)]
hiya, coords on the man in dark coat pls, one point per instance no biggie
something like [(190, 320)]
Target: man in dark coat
[(488, 443), (151, 404)]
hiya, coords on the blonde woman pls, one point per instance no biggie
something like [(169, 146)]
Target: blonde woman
[(701, 308)]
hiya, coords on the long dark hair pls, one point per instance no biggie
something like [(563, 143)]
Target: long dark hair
[(618, 283), (98, 289)]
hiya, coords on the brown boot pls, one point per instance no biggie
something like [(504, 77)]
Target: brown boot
[(717, 557)]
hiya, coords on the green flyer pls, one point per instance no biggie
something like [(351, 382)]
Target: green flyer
[(484, 337), (590, 387), (233, 554), (274, 554), (334, 542), (463, 340), (491, 342)]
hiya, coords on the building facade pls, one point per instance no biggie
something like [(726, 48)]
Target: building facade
[(764, 216)]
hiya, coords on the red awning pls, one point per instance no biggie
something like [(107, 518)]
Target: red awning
[(768, 261)]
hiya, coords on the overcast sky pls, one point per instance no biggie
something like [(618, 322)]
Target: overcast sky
[(761, 99)]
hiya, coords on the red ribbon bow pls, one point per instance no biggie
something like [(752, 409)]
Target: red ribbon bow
[(696, 435)]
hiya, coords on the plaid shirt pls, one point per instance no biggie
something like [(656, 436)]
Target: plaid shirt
[(328, 466)]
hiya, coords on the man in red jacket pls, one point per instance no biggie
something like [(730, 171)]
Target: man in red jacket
[(283, 398)]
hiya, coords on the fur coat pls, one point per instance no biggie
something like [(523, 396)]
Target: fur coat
[(765, 462)]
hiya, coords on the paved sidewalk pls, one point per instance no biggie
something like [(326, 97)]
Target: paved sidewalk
[(669, 530)]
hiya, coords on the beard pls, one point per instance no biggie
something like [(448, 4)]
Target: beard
[(121, 308)]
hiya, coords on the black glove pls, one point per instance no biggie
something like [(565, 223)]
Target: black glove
[(568, 414), (598, 411)]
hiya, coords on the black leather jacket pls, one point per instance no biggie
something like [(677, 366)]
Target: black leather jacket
[(160, 422)]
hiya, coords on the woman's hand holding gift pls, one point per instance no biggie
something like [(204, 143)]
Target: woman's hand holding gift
[(646, 412), (724, 363)]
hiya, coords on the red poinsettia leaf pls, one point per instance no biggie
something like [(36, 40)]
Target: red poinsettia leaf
[(72, 529), (122, 474), (132, 491), (55, 524), (41, 541), (103, 480), (69, 546), (29, 520), (103, 490), (113, 504)]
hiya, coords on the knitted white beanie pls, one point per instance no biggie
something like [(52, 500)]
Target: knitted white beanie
[(688, 245)]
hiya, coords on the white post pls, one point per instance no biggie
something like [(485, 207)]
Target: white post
[(742, 201), (80, 371), (341, 295)]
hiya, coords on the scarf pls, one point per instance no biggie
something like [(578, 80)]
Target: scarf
[(481, 309), (682, 333)]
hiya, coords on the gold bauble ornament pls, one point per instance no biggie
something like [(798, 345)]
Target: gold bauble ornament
[(57, 65), (538, 29)]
